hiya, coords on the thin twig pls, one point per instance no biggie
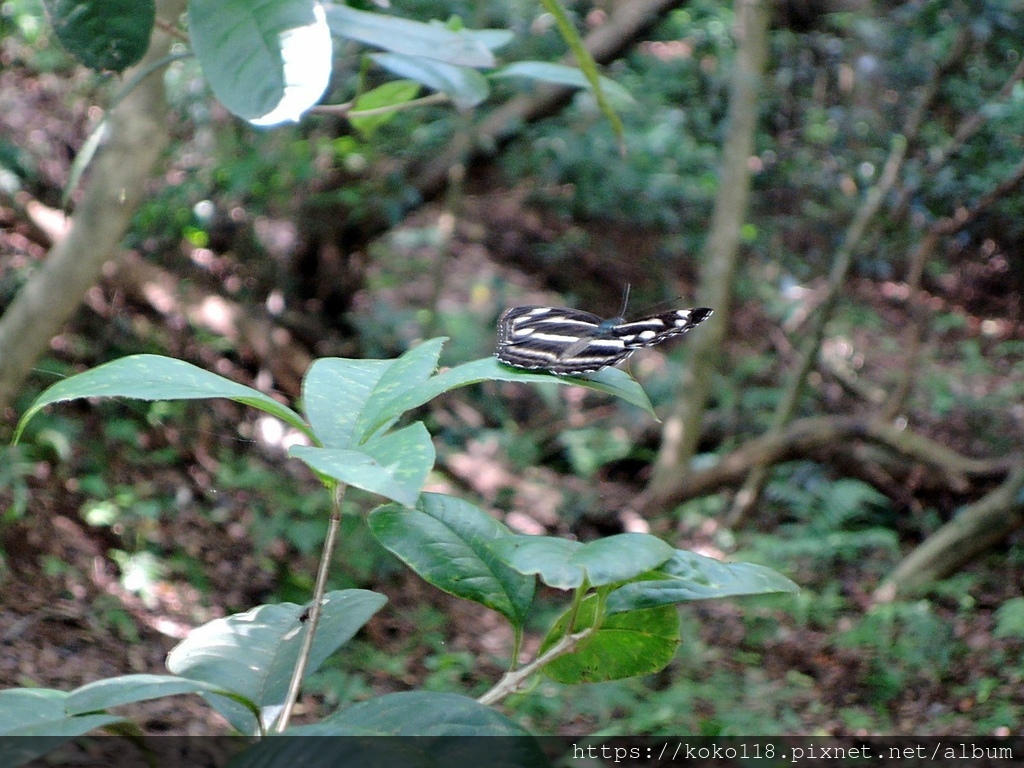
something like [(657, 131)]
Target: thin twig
[(315, 610), (346, 109), (511, 681)]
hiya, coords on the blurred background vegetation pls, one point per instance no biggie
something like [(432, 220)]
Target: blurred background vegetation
[(255, 251)]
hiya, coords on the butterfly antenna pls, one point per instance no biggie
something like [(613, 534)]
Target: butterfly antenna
[(625, 301), (666, 303)]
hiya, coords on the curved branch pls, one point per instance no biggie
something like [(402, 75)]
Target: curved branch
[(806, 436), (976, 528)]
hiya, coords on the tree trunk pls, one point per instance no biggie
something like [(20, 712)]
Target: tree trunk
[(682, 428), (137, 135)]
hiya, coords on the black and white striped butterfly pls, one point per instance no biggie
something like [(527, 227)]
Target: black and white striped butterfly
[(569, 341)]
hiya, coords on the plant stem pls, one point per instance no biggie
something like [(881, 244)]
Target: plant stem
[(517, 646), (511, 681), (314, 613)]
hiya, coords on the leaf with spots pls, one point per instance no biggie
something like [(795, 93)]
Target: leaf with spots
[(394, 465)]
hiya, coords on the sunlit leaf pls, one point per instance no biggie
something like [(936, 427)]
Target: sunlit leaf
[(267, 62), (154, 377), (253, 654)]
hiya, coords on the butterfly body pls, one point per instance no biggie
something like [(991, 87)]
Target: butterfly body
[(569, 341)]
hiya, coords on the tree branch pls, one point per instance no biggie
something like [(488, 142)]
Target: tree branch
[(807, 436), (976, 528)]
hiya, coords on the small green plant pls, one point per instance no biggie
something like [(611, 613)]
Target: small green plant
[(619, 620)]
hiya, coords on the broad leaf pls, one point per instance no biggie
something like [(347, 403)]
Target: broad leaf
[(394, 465), (405, 375), (446, 541), (253, 653), (267, 62), (463, 48), (382, 97), (689, 576), (625, 645), (566, 564), (464, 86), (561, 74), (154, 377), (127, 689), (334, 392), (611, 381), (104, 34), (416, 713), (39, 713)]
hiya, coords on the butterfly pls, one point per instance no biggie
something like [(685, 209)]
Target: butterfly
[(569, 341)]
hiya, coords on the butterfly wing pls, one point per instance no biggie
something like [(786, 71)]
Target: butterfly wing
[(569, 341), (557, 339), (657, 328)]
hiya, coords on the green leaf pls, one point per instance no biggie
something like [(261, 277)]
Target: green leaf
[(1010, 619), (416, 713), (253, 654), (154, 377), (267, 62), (464, 86), (625, 645), (104, 34), (347, 400), (403, 376), (463, 48), (446, 541), (388, 95), (566, 564), (334, 393), (561, 74), (611, 381), (39, 713), (343, 405), (689, 576), (394, 465), (127, 689)]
